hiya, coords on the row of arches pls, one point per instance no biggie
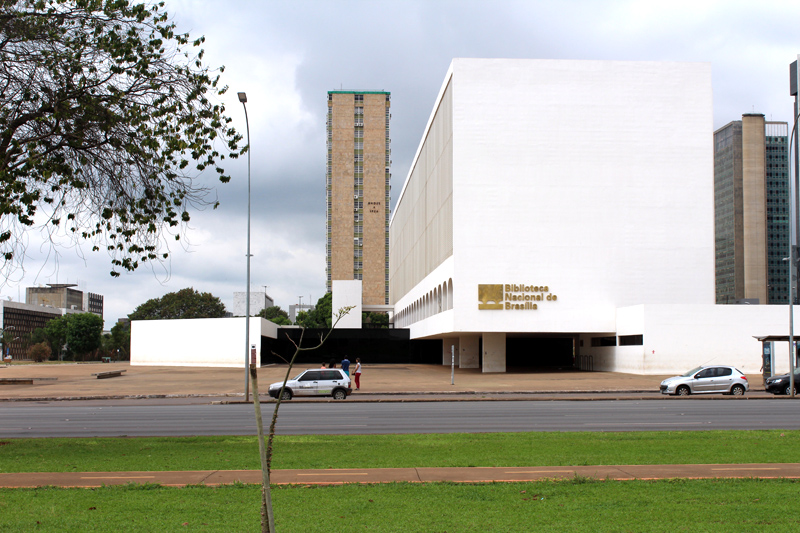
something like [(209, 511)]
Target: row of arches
[(437, 300)]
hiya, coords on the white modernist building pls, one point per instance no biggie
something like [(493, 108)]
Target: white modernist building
[(558, 209)]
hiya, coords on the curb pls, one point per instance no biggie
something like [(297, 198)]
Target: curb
[(402, 396)]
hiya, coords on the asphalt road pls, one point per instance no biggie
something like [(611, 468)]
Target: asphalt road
[(78, 419)]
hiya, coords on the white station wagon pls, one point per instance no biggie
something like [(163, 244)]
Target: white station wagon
[(321, 382)]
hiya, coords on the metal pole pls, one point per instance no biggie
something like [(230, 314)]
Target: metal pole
[(452, 364), (792, 264), (793, 89), (243, 100)]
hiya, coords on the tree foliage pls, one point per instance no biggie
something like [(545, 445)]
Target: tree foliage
[(39, 352), (119, 343), (321, 316), (36, 336), (80, 332), (56, 333), (276, 314), (84, 334), (375, 320), (186, 303), (107, 117)]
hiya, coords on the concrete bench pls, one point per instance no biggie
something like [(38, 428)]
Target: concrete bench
[(16, 381), (109, 374)]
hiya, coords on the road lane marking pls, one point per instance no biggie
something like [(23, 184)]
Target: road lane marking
[(745, 469), (117, 477), (665, 423), (336, 474), (537, 471), (323, 427)]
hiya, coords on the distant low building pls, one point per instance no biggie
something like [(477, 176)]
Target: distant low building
[(258, 301), (64, 296), (19, 320), (294, 309), (42, 304)]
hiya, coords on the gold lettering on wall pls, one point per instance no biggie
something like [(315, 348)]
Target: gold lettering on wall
[(513, 297)]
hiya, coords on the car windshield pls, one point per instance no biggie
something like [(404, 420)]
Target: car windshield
[(691, 372), (298, 375)]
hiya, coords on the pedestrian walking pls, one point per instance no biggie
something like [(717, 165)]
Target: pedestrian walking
[(357, 373), (323, 365), (332, 364), (346, 366)]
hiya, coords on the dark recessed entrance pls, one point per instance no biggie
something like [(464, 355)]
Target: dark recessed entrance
[(539, 352)]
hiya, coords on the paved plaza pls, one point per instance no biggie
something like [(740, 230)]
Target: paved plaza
[(76, 381)]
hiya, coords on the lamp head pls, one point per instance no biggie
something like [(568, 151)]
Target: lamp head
[(242, 97)]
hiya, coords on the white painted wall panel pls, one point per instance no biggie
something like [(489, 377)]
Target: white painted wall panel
[(211, 342), (592, 177), (680, 337), (347, 293)]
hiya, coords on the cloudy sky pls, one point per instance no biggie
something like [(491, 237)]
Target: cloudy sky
[(287, 54)]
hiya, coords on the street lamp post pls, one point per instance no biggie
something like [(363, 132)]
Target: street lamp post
[(243, 100), (792, 261)]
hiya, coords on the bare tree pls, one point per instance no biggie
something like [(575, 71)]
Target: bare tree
[(265, 449)]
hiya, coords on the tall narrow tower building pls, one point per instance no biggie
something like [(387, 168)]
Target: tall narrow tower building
[(751, 211), (358, 192)]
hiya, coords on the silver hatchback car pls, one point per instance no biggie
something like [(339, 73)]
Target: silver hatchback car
[(706, 379)]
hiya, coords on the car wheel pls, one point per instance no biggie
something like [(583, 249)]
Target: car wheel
[(683, 390), (788, 390), (287, 395), (737, 390), (339, 394)]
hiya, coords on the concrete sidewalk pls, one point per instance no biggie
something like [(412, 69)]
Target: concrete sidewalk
[(413, 475), (75, 381)]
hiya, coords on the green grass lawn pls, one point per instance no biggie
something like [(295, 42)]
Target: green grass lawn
[(573, 505), (399, 451)]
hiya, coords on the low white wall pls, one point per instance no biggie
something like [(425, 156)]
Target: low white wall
[(679, 337), (211, 342), (346, 293)]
